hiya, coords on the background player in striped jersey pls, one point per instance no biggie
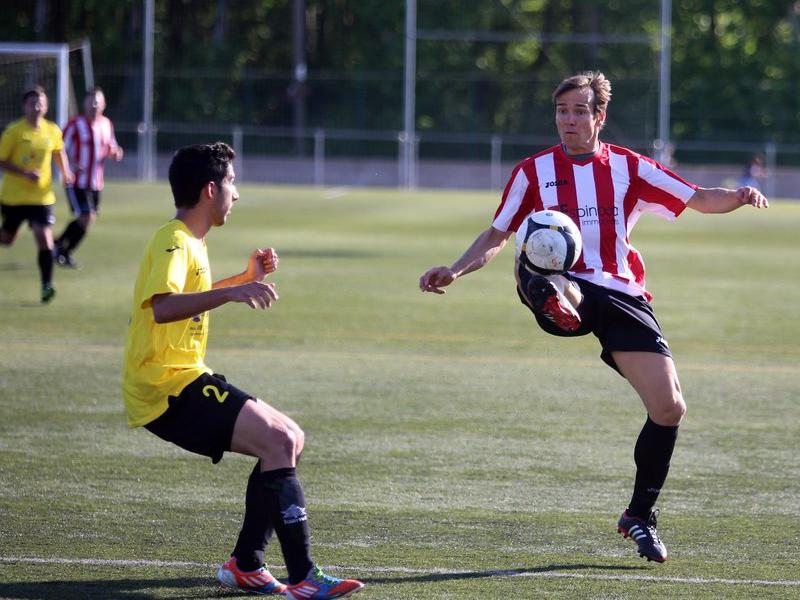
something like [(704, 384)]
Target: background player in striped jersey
[(28, 147), (88, 139), (605, 189)]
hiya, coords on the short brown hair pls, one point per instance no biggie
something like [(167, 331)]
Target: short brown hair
[(192, 167), (35, 90), (593, 80)]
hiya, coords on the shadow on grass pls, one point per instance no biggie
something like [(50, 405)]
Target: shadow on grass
[(15, 266), (115, 589), (432, 577), (205, 587)]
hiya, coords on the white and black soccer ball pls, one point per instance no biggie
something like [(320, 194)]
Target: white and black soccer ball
[(548, 242)]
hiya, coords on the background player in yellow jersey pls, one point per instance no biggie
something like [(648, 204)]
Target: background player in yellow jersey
[(170, 391), (27, 148)]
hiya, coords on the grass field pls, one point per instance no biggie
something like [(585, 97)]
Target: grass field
[(453, 449)]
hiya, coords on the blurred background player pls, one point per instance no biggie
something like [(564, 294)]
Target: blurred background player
[(27, 148), (754, 173), (604, 189), (88, 140), (170, 391)]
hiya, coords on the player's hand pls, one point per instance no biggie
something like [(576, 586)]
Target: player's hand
[(69, 178), (436, 278), (117, 154), (263, 261), (255, 294), (31, 176), (750, 195)]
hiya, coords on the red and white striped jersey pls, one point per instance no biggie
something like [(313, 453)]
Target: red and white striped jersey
[(88, 145), (605, 195)]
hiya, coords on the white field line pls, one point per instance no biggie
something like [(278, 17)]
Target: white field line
[(362, 571)]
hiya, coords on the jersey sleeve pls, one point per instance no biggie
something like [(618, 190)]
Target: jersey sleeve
[(517, 202), (56, 137), (68, 137), (661, 191), (7, 141), (169, 267)]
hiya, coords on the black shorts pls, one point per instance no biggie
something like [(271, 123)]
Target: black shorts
[(620, 321), (201, 418), (14, 215), (83, 201)]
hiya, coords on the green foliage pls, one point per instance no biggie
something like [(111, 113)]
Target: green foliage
[(453, 449), (734, 67)]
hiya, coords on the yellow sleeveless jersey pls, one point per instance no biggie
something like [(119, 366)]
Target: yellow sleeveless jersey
[(162, 359), (29, 148)]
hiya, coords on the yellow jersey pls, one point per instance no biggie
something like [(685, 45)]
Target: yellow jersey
[(162, 359), (30, 148)]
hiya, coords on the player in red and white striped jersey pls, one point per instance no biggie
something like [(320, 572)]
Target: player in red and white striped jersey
[(88, 139), (605, 189)]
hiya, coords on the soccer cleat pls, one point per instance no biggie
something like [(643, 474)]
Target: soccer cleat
[(260, 581), (644, 533), (66, 260), (319, 586), (48, 293), (547, 301)]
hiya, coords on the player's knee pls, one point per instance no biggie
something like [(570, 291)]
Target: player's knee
[(300, 442), (283, 442), (670, 412)]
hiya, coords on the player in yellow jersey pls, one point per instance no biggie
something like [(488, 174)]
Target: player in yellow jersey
[(170, 391), (27, 148)]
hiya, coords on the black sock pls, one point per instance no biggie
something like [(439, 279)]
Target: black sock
[(256, 527), (652, 455), (72, 236), (287, 510), (45, 259)]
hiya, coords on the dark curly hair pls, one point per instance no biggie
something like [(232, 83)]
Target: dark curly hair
[(194, 166)]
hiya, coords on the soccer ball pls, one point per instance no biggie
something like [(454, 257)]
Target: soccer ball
[(548, 242)]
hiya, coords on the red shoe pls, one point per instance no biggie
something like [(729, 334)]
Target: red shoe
[(319, 586), (259, 581), (546, 300)]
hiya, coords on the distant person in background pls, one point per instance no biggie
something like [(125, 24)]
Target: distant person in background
[(169, 390), (754, 173), (89, 139), (605, 189), (27, 148)]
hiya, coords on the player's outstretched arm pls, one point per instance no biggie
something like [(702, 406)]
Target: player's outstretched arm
[(9, 166), (177, 307), (261, 263), (63, 165), (723, 200), (479, 254)]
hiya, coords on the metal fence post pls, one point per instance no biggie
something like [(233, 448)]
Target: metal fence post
[(319, 157), (770, 158), (140, 151), (402, 160), (237, 138), (413, 179), (497, 159), (152, 154)]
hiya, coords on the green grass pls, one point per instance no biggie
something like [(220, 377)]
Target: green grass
[(453, 449)]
